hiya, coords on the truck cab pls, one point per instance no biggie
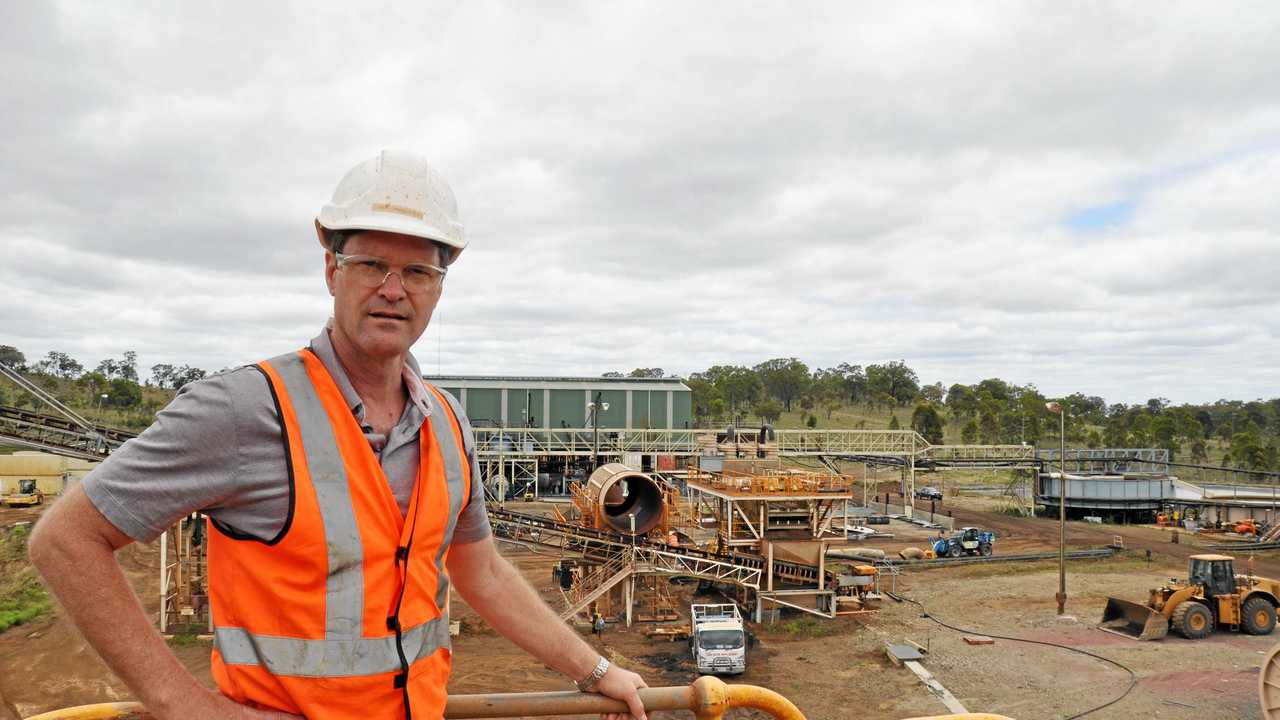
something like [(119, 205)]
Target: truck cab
[(718, 639)]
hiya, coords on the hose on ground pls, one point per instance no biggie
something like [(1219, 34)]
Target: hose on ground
[(1133, 677)]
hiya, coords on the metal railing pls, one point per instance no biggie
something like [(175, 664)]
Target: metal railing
[(613, 442), (708, 698)]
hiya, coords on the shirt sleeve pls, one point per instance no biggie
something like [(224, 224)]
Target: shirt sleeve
[(177, 466), (473, 522), (215, 449)]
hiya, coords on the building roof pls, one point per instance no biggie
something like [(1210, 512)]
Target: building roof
[(557, 381)]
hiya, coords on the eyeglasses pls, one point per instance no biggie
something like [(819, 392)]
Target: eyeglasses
[(372, 272)]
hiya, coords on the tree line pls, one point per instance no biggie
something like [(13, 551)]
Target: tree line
[(113, 383), (1242, 434)]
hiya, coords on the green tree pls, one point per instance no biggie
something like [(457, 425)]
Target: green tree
[(60, 364), (812, 421), (92, 385), (1140, 430), (716, 409), (925, 420), (895, 380), (989, 422), (1164, 432), (162, 375), (1114, 434), (969, 433), (704, 398), (893, 422), (1205, 418), (768, 409), (1199, 452), (828, 389), (187, 374), (962, 403), (1094, 439), (13, 357), (996, 388), (738, 386), (123, 393), (855, 382), (646, 373), (933, 393), (784, 378)]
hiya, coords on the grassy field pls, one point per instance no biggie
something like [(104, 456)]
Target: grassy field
[(22, 596)]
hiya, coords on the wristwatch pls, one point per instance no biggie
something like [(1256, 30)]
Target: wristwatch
[(588, 683)]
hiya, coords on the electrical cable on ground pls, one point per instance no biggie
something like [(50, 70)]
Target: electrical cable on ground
[(1133, 677)]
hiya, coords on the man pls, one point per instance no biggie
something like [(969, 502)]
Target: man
[(343, 496)]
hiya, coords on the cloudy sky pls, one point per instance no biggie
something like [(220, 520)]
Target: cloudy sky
[(1077, 195)]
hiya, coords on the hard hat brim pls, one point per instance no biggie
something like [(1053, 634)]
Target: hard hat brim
[(393, 224), (390, 224)]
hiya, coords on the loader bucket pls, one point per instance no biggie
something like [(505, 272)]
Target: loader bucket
[(1133, 620)]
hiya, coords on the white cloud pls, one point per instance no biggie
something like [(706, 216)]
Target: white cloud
[(666, 185)]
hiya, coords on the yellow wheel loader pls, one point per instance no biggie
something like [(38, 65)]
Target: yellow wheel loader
[(28, 495), (1213, 596)]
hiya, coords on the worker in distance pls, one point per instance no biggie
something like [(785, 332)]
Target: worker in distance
[(344, 499)]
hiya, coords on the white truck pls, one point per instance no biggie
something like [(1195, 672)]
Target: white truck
[(718, 639)]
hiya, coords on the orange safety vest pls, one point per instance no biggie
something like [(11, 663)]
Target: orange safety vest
[(343, 614)]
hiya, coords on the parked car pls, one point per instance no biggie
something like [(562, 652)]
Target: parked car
[(929, 493)]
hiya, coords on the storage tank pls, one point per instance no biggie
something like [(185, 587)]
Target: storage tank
[(619, 495)]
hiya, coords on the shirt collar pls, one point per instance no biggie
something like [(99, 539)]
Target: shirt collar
[(322, 346)]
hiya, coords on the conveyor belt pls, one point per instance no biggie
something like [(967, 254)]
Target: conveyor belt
[(599, 544), (58, 434)]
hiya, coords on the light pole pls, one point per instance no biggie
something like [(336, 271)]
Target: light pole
[(596, 407), (101, 397), (1055, 407)]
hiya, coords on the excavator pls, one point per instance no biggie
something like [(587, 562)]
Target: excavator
[(1212, 596)]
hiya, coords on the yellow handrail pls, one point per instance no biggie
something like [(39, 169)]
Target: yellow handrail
[(708, 698), (100, 711)]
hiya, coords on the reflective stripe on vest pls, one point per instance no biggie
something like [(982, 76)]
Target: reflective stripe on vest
[(330, 658), (344, 651), (442, 430)]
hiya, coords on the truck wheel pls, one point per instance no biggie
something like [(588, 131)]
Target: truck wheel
[(1259, 616), (985, 550), (1192, 620)]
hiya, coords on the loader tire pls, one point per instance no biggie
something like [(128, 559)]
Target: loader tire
[(1259, 616), (1192, 620), (984, 550)]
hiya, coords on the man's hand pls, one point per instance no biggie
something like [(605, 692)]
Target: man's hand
[(621, 684)]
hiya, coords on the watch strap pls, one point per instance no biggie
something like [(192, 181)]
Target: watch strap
[(588, 683)]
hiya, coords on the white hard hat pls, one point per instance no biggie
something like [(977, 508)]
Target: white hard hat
[(395, 192)]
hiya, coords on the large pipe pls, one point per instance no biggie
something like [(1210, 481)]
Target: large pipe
[(624, 500)]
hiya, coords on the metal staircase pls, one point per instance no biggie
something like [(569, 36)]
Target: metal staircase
[(598, 582)]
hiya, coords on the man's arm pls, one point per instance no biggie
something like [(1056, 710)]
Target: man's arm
[(74, 546), (496, 590)]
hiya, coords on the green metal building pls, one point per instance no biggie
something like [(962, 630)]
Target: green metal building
[(561, 402)]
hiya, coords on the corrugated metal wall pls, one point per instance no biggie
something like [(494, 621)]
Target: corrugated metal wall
[(568, 407)]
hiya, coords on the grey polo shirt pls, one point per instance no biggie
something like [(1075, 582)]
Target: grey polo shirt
[(216, 449)]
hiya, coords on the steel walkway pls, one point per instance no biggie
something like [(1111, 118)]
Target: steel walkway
[(648, 557)]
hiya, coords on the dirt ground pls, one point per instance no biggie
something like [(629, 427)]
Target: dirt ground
[(831, 669)]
